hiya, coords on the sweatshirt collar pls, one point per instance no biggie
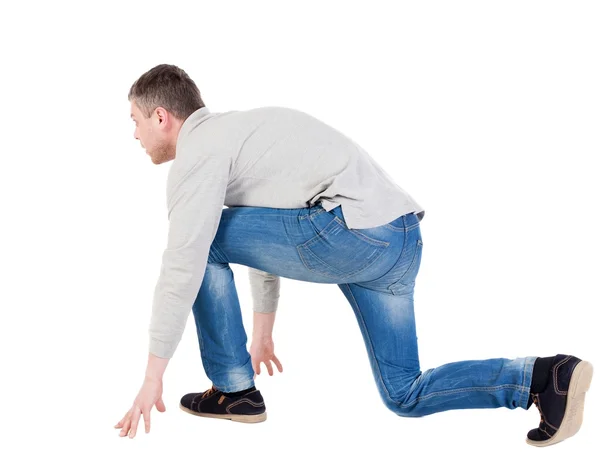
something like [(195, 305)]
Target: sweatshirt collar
[(197, 117)]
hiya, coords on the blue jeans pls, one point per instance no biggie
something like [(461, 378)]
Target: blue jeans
[(375, 268)]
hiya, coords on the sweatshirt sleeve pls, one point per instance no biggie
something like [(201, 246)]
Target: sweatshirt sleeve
[(196, 188), (265, 290)]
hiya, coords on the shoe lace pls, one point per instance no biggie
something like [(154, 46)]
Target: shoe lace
[(208, 392), (536, 401)]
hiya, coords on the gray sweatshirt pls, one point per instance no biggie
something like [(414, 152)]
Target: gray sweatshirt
[(265, 157)]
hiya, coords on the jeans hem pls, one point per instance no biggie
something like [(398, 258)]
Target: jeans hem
[(527, 376)]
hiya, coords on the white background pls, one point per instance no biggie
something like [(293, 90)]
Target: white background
[(486, 112)]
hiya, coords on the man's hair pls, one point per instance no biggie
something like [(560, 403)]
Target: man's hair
[(166, 86)]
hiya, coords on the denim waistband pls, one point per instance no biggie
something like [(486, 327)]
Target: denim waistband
[(409, 219), (337, 211)]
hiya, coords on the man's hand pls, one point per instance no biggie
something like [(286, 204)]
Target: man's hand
[(149, 395), (262, 351)]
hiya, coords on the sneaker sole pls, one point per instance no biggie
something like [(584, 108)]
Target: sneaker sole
[(245, 418), (573, 418)]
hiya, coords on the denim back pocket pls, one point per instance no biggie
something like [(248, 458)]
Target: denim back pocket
[(338, 252), (406, 282)]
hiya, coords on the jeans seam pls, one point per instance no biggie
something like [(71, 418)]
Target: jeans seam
[(339, 274), (460, 390), (393, 228), (408, 228), (314, 214), (409, 269), (318, 236), (273, 214), (526, 387), (400, 257), (311, 215), (370, 344), (362, 236)]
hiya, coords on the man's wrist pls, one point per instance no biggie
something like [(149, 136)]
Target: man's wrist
[(260, 337), (155, 368), (152, 378)]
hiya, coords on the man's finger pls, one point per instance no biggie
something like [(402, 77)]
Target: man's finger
[(146, 414), (126, 421), (277, 363), (257, 370), (123, 419), (125, 428), (135, 418), (160, 405), (269, 367)]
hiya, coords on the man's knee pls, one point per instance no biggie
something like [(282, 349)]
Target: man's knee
[(402, 409), (400, 400)]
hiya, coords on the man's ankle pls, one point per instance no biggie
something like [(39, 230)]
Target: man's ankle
[(540, 376), (240, 393)]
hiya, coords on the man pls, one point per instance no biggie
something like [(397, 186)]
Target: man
[(307, 203)]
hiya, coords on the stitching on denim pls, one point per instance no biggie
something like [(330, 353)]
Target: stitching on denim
[(302, 217), (314, 214), (393, 228), (400, 257), (409, 269), (338, 274), (335, 272), (555, 374), (319, 235), (524, 398), (526, 388), (370, 344), (273, 214), (325, 231), (390, 288), (546, 432), (362, 236), (300, 252), (461, 390), (301, 256), (521, 391), (358, 233)]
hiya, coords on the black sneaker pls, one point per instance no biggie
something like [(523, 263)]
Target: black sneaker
[(213, 403), (561, 403)]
